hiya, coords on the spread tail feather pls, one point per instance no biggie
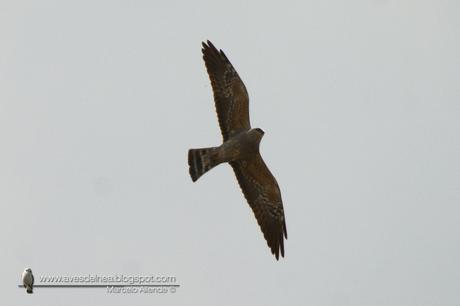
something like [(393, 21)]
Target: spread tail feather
[(201, 161)]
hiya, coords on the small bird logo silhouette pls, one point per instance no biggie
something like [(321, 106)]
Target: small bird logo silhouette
[(28, 280)]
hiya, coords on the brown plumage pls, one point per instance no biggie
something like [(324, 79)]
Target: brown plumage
[(240, 149)]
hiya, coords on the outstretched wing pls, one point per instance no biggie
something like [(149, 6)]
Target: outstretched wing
[(230, 95), (263, 195)]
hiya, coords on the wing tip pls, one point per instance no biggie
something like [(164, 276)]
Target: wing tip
[(285, 228), (276, 241), (208, 45), (209, 50), (276, 244)]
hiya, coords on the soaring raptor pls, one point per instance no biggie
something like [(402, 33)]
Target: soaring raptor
[(240, 149)]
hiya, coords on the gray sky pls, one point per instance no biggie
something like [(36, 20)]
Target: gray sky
[(100, 101)]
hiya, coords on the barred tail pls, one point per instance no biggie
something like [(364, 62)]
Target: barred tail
[(200, 161)]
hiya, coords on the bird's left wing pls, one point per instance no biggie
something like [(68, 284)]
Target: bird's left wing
[(230, 95), (263, 195)]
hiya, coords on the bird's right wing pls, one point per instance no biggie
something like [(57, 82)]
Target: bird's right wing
[(263, 195), (230, 95)]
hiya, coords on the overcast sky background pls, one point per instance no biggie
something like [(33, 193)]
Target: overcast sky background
[(100, 101)]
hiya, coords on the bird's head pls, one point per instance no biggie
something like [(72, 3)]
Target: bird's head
[(29, 270), (260, 131), (257, 134)]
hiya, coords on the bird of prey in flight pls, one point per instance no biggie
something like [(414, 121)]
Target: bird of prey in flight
[(240, 149), (28, 280)]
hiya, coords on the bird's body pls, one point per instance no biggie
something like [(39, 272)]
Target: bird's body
[(28, 280), (240, 148)]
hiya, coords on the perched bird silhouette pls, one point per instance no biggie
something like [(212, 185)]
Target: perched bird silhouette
[(28, 280), (240, 149)]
